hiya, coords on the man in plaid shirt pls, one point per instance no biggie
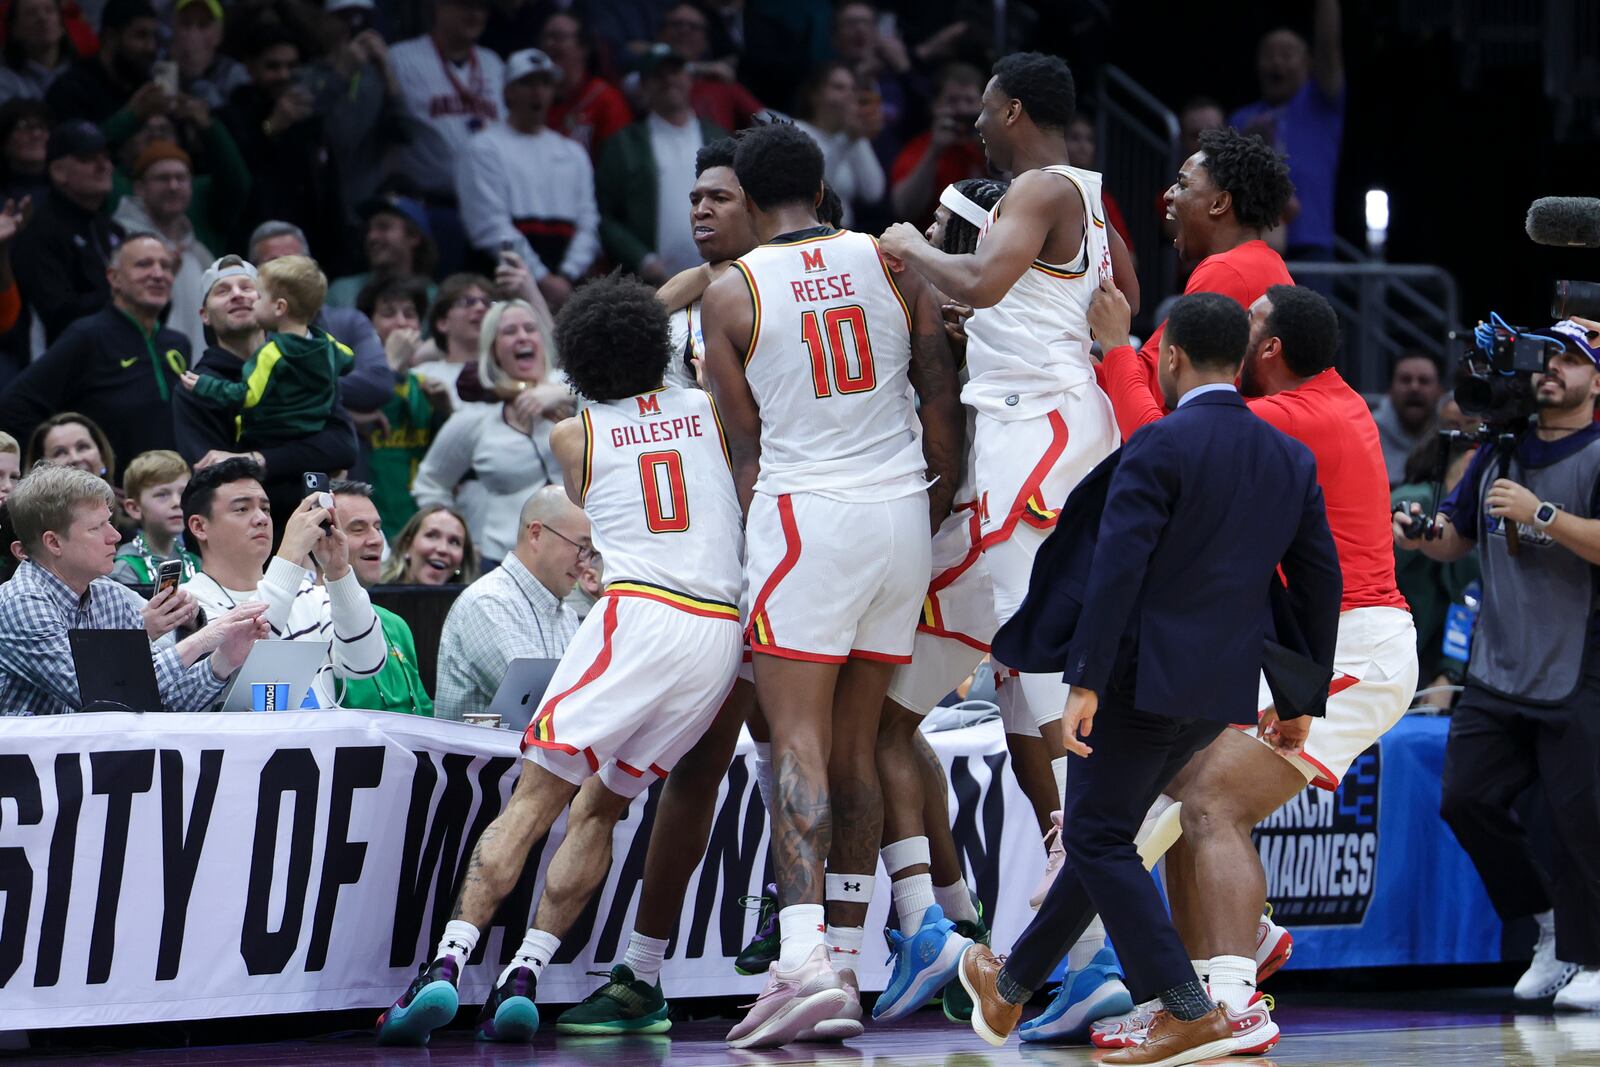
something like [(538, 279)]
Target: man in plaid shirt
[(62, 516)]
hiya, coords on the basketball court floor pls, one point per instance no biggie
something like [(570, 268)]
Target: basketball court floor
[(1455, 1029)]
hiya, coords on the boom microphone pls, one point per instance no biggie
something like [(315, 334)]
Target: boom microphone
[(1565, 221)]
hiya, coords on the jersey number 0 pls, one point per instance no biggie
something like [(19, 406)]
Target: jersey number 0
[(825, 342), (666, 501)]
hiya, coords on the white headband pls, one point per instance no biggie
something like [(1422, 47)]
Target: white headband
[(959, 204)]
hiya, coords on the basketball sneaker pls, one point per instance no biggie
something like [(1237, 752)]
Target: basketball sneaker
[(847, 1023), (509, 1014), (762, 950), (923, 963), (792, 1003), (1253, 1031), (624, 1005), (1054, 856), (427, 1004), (1582, 993), (1546, 975), (1274, 946), (1096, 992), (957, 1005), (1124, 1031)]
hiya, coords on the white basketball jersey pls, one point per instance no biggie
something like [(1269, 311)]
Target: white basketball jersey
[(659, 494), (1033, 345), (828, 365)]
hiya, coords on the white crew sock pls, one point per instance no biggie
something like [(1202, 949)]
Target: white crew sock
[(956, 902), (460, 940), (764, 772), (644, 957), (1089, 945), (536, 950), (799, 931), (913, 896), (1233, 981), (1547, 922), (844, 945), (1202, 969), (1059, 766)]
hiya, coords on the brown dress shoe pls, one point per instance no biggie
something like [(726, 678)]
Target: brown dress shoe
[(1173, 1042), (993, 1017)]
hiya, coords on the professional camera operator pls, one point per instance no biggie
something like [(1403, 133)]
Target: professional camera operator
[(1531, 707)]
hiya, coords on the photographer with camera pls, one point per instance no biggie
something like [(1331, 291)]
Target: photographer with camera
[(1529, 709)]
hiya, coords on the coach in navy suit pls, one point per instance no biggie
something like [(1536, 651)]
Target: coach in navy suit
[(1158, 619)]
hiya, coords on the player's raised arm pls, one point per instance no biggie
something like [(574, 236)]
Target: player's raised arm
[(1033, 205), (729, 322), (933, 375)]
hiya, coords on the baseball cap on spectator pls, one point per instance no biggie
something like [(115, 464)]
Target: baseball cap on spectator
[(213, 6), (157, 152), (661, 57), (404, 206), (226, 267), (529, 62), (118, 14), (1576, 337), (75, 137)]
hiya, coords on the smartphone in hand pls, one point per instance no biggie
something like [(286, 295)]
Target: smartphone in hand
[(168, 575), (316, 484)]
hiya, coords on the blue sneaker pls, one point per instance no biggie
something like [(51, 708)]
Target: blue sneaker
[(1094, 993), (509, 1014), (429, 1003), (923, 964)]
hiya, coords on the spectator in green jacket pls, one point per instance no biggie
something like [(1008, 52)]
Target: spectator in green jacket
[(398, 686), (396, 437), (647, 171)]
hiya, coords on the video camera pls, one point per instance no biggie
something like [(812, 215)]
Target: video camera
[(1495, 378)]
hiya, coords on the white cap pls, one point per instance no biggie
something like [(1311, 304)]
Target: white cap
[(530, 61), (226, 267)]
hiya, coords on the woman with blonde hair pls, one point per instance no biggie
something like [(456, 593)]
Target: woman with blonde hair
[(504, 444), (434, 547)]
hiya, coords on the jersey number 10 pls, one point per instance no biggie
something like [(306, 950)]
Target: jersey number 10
[(666, 501), (825, 342)]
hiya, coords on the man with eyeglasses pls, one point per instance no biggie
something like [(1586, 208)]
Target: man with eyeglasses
[(515, 610)]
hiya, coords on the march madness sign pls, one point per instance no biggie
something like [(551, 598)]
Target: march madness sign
[(1320, 850)]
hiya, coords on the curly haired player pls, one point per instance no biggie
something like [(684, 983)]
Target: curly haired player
[(645, 673)]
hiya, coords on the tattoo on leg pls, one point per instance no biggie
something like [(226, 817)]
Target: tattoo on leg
[(858, 823), (802, 830), (475, 883)]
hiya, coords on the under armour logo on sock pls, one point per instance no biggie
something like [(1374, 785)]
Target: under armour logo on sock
[(457, 945), (852, 887)]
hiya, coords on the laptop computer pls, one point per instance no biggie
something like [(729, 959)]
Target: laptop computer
[(522, 691), (115, 670), (294, 663)]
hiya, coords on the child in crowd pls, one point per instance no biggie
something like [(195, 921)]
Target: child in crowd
[(397, 437), (154, 485), (288, 386), (10, 465)]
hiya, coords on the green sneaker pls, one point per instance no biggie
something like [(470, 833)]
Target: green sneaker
[(957, 1005), (759, 954), (624, 1005)]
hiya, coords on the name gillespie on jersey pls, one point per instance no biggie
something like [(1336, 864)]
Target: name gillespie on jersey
[(832, 287), (653, 432)]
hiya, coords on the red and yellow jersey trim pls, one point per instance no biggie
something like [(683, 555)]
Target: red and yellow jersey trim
[(722, 434), (809, 240), (1056, 272), (894, 287), (755, 304), (694, 605), (587, 475)]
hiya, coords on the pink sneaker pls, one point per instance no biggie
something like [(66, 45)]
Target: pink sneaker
[(1274, 946), (793, 1002), (844, 1025), (1254, 1032), (1054, 856)]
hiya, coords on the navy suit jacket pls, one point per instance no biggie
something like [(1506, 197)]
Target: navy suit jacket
[(1160, 581)]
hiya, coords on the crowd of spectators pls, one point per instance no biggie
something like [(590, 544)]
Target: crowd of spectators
[(206, 204)]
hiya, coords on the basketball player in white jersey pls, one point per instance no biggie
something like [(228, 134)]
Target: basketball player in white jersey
[(1042, 421), (646, 671), (814, 354)]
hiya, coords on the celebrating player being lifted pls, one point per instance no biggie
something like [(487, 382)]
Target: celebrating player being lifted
[(645, 673), (813, 352)]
